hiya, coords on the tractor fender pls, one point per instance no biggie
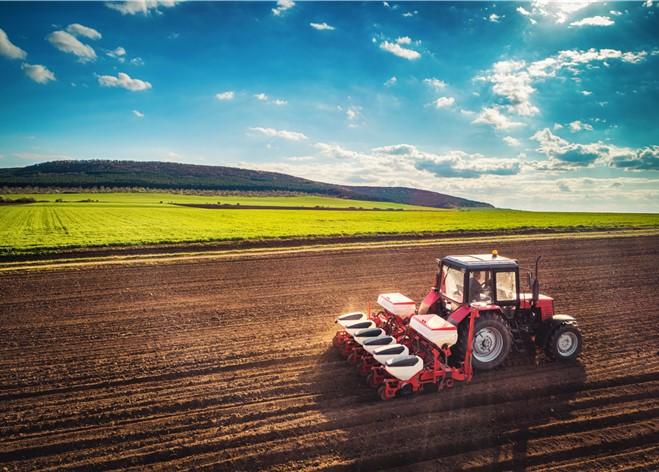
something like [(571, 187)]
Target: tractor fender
[(463, 312), (429, 300), (549, 325)]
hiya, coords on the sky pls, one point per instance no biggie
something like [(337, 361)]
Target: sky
[(526, 105)]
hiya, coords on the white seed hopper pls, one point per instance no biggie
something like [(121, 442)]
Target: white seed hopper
[(383, 354), (351, 318), (435, 329), (404, 367), (397, 304)]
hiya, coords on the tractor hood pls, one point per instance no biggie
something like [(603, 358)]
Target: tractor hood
[(527, 297), (545, 303)]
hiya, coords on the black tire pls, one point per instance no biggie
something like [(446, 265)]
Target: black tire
[(497, 328), (405, 391), (564, 344)]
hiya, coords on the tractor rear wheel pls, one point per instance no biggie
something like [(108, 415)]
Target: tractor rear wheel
[(492, 341), (564, 343)]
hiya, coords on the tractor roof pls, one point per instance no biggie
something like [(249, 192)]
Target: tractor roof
[(480, 262)]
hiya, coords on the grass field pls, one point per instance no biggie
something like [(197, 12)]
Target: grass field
[(158, 199), (140, 218)]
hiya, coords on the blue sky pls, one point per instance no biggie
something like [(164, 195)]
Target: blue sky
[(529, 105)]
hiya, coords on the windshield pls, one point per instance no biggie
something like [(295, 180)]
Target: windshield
[(480, 286), (452, 283), (506, 286)]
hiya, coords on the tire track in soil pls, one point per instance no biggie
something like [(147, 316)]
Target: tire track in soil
[(225, 365)]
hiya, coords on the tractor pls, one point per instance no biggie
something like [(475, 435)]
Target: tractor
[(471, 318), (507, 316)]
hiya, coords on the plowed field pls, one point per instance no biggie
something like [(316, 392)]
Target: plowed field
[(226, 364)]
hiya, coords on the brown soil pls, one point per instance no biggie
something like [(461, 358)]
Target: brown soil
[(227, 365)]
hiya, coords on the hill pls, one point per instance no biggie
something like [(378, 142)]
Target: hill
[(169, 175)]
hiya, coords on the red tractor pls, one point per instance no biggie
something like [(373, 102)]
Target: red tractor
[(471, 317), (492, 284)]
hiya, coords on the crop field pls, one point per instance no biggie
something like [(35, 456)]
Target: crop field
[(227, 364), (120, 219)]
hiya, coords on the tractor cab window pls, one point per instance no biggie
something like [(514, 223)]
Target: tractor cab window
[(480, 286), (506, 286), (452, 283)]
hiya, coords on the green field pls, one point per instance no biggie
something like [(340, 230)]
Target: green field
[(158, 199), (141, 218)]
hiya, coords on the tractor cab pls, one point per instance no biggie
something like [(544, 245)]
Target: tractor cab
[(489, 281), (485, 279)]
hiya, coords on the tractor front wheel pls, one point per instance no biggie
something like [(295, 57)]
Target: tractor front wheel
[(564, 343)]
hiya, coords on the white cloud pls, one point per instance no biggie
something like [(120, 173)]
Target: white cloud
[(572, 58), (277, 133), (409, 14), (457, 164), (494, 18), (586, 93), (133, 7), (40, 74), (172, 156), (138, 114), (558, 11), (69, 44), (514, 79), (9, 49), (577, 125), (404, 40), (594, 21), (117, 53), (647, 4), (510, 141), (478, 177), (300, 158), (398, 50), (557, 126), (564, 155), (123, 80), (282, 6), (492, 116), (615, 12), (391, 81), (405, 164), (77, 29), (335, 151), (225, 96), (353, 112), (322, 26), (262, 97), (435, 83), (137, 61), (444, 102)]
